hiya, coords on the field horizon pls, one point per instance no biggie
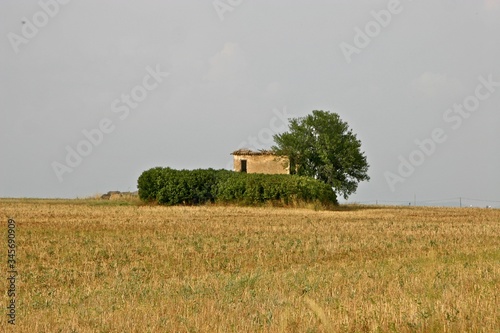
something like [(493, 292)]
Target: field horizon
[(89, 265)]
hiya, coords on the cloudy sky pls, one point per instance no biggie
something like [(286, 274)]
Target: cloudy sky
[(92, 93)]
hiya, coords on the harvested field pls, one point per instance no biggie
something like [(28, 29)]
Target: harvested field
[(119, 266)]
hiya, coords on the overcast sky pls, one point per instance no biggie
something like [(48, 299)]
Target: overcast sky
[(92, 93)]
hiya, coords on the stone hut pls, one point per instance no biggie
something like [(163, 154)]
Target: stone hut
[(262, 161)]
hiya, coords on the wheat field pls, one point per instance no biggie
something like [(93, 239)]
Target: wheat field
[(120, 266)]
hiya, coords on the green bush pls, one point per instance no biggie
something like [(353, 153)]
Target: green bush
[(172, 187), (150, 182), (287, 189)]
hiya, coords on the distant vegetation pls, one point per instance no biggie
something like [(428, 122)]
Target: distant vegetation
[(193, 187)]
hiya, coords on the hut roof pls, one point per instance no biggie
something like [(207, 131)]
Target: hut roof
[(252, 152)]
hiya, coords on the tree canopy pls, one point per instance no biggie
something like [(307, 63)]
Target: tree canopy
[(322, 146)]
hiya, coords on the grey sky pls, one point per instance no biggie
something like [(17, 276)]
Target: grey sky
[(233, 66)]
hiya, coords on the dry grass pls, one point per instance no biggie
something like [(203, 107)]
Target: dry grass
[(117, 266)]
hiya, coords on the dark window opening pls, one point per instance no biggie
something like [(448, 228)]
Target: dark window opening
[(243, 166)]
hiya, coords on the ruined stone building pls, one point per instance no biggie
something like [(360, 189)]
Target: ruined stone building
[(262, 161)]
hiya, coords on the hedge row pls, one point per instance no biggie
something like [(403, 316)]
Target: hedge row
[(172, 187)]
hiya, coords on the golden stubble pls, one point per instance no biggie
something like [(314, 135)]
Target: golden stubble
[(119, 266)]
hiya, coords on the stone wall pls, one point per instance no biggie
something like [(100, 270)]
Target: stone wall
[(118, 194), (264, 163)]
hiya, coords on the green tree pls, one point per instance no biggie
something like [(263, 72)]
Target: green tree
[(322, 146)]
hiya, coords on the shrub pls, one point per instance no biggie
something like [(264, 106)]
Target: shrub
[(172, 187), (150, 182)]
